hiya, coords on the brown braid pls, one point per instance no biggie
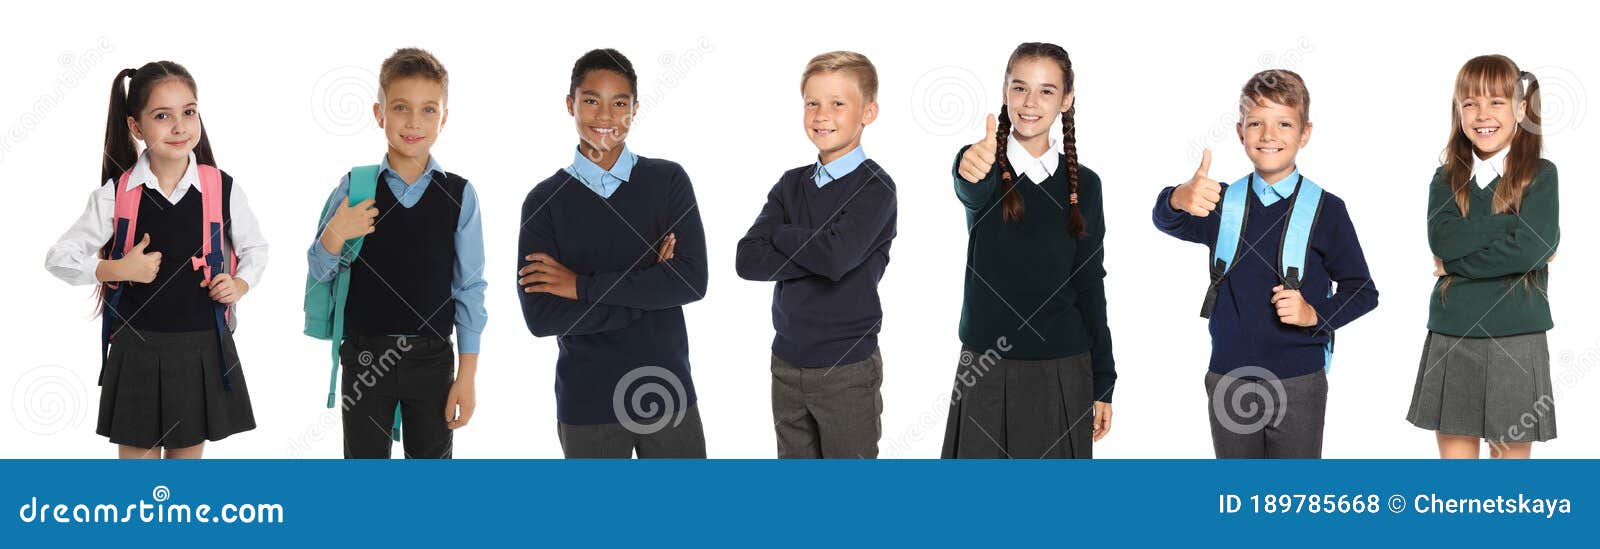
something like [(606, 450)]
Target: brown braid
[(1010, 202), (1069, 147)]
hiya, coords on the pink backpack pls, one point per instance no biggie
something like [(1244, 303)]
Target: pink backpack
[(218, 256)]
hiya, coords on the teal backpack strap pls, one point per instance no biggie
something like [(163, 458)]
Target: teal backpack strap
[(363, 186), (1234, 211), (1303, 212)]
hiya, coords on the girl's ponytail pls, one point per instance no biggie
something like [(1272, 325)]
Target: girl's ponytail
[(119, 154)]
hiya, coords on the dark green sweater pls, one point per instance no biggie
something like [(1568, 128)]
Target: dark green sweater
[(1498, 277), (1031, 282)]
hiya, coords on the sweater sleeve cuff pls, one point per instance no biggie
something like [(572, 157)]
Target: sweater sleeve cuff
[(1164, 210), (1455, 267), (1104, 383), (584, 284), (1325, 311)]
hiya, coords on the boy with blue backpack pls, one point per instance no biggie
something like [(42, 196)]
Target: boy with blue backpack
[(1279, 243), (396, 269)]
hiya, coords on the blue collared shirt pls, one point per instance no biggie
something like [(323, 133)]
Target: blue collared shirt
[(600, 180), (466, 280), (823, 174), (1271, 194)]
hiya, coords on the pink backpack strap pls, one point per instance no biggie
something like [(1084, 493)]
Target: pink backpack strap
[(218, 253), (212, 233), (125, 221), (214, 241)]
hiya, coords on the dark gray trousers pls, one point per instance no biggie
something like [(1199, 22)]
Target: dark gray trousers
[(687, 439), (1266, 417), (831, 412)]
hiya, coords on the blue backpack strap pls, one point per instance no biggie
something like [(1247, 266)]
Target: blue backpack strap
[(1234, 210), (1297, 233), (1296, 244), (363, 185)]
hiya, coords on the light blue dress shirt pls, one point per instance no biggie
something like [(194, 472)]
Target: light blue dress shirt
[(840, 167), (1271, 194), (600, 180)]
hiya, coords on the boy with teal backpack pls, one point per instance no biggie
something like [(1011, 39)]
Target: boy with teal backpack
[(396, 269)]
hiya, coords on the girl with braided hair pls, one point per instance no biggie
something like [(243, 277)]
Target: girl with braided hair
[(1036, 370)]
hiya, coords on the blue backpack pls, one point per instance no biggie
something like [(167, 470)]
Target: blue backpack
[(1304, 206), (324, 301)]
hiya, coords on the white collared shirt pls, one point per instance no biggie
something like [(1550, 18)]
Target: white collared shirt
[(1036, 168), (76, 255), (1484, 171)]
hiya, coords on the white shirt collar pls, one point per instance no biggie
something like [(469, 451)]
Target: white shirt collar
[(1037, 168), (141, 175), (1484, 171)]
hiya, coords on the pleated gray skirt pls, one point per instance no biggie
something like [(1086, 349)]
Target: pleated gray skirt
[(1495, 388), (1031, 409)]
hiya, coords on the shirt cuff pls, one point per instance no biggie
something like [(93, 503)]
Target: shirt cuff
[(467, 340), (323, 264), (93, 267)]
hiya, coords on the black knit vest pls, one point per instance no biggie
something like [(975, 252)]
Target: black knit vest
[(400, 284), (174, 301)]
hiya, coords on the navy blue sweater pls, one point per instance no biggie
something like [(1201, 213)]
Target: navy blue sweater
[(826, 248), (629, 311), (1245, 330)]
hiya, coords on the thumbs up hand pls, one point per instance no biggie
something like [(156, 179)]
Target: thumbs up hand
[(1198, 196), (979, 158), (138, 266)]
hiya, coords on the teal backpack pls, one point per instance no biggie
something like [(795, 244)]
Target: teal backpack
[(324, 302), (1304, 206)]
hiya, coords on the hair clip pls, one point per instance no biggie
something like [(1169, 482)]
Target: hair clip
[(1072, 198)]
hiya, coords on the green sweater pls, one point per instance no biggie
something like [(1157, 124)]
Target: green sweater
[(1033, 291), (1496, 263)]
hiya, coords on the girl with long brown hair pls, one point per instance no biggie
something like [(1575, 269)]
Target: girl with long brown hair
[(1036, 370), (1493, 229)]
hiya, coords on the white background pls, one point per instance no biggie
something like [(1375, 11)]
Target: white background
[(286, 92)]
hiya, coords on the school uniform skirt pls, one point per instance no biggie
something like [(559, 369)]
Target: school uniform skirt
[(1002, 408), (1495, 388), (165, 389)]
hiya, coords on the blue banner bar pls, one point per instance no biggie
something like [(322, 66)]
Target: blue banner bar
[(750, 503)]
